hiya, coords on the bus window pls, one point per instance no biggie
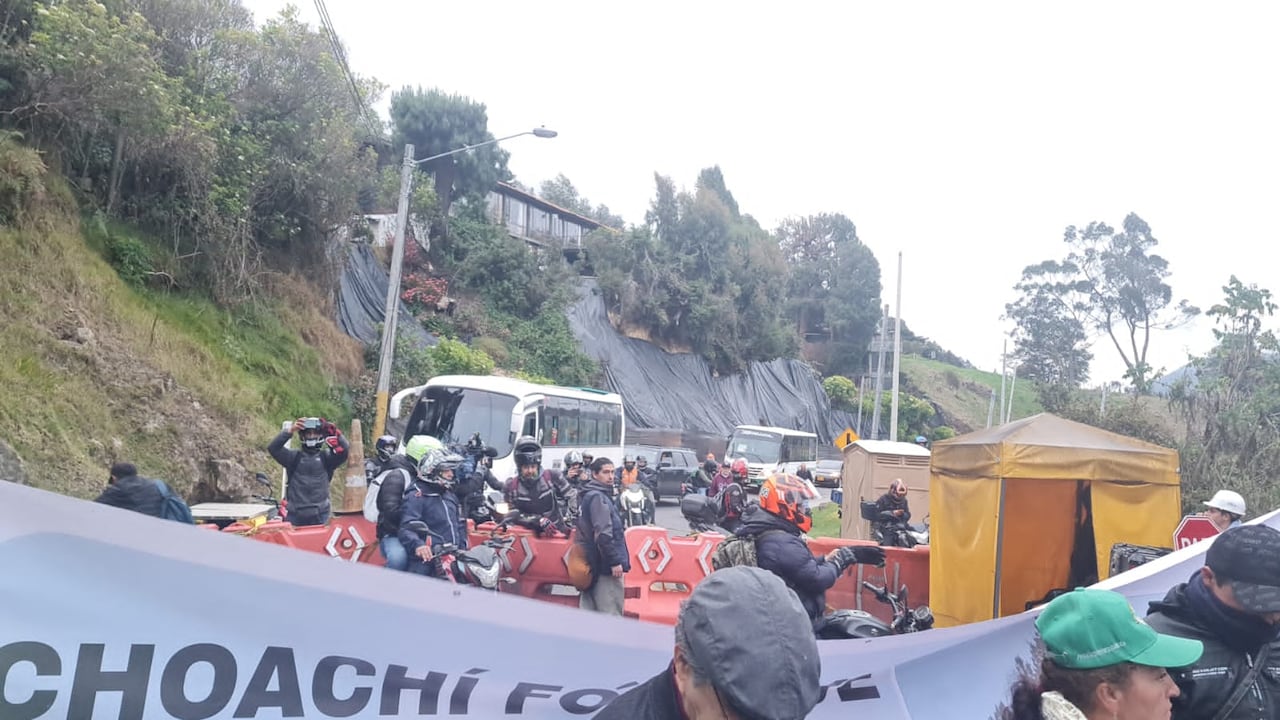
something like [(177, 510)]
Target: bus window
[(454, 414), (530, 424)]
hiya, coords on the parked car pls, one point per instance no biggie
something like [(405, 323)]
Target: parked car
[(826, 473)]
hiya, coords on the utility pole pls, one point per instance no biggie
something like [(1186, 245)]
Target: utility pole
[(897, 357), (875, 401), (1013, 383), (862, 389), (1004, 374), (386, 354)]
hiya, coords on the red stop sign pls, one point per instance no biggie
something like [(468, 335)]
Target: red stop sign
[(1193, 529)]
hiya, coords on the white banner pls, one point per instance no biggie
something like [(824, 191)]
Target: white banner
[(105, 613)]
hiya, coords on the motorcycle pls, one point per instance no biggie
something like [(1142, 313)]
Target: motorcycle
[(851, 624), (479, 566), (632, 503), (712, 513), (891, 531)]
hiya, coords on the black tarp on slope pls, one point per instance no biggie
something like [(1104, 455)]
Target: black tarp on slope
[(362, 300), (666, 390)]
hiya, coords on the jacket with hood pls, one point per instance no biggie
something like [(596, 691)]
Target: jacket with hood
[(600, 530), (1206, 685), (441, 510), (786, 555), (309, 473), (134, 493), (397, 476)]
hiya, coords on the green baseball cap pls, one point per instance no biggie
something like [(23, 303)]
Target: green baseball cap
[(1088, 629)]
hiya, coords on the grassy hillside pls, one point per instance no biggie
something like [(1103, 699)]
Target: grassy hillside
[(98, 370), (963, 394)]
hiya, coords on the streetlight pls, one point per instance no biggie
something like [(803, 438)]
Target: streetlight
[(386, 354)]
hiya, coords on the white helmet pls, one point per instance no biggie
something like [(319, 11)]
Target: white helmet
[(1227, 501)]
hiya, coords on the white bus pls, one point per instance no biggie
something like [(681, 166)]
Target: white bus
[(454, 407), (771, 449)]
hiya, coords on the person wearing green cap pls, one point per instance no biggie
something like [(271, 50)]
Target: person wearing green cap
[(1101, 662)]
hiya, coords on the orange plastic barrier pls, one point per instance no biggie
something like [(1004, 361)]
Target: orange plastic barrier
[(664, 567), (902, 566), (664, 570), (539, 565), (346, 537)]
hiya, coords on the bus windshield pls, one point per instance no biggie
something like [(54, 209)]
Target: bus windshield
[(454, 414), (755, 446)]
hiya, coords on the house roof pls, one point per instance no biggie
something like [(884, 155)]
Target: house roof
[(532, 199)]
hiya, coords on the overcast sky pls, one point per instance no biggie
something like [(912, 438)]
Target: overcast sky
[(966, 135)]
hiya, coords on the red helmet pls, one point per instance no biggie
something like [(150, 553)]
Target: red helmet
[(739, 468)]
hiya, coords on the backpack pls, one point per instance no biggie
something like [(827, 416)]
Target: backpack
[(371, 494), (173, 507), (737, 550)]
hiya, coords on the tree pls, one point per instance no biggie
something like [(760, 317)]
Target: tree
[(1232, 408), (435, 123), (841, 391), (1050, 344), (834, 283), (1112, 283)]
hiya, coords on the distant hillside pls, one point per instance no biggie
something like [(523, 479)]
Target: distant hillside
[(963, 395)]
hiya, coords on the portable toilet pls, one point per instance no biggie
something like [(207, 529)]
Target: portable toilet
[(869, 467)]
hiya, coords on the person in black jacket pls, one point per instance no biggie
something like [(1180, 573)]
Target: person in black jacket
[(128, 491), (776, 524), (309, 470), (432, 500), (399, 473), (743, 649), (1232, 605), (601, 534)]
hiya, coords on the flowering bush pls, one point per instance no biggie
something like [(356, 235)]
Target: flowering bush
[(424, 290)]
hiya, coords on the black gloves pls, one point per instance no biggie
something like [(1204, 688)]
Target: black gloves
[(859, 555), (868, 555)]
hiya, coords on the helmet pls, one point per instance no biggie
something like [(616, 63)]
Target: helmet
[(628, 459), (787, 497), (386, 447), (528, 451), (922, 440), (571, 458), (312, 433), (435, 462), (898, 487), (739, 467), (642, 461), (419, 445), (1227, 501)]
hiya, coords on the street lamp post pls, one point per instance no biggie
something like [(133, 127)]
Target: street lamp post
[(386, 353)]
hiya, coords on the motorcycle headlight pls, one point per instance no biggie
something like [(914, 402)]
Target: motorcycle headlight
[(487, 577), (502, 508), (923, 615)]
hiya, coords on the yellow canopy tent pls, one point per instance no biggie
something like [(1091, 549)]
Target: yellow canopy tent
[(1012, 507)]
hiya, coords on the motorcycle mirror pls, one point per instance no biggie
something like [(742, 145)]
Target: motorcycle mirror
[(490, 451), (419, 528), (262, 479)]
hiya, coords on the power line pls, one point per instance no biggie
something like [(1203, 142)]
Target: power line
[(326, 24)]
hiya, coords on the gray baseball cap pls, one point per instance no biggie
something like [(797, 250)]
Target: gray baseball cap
[(1249, 556), (748, 632)]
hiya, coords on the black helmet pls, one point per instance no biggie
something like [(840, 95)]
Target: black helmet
[(528, 451), (386, 447)]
